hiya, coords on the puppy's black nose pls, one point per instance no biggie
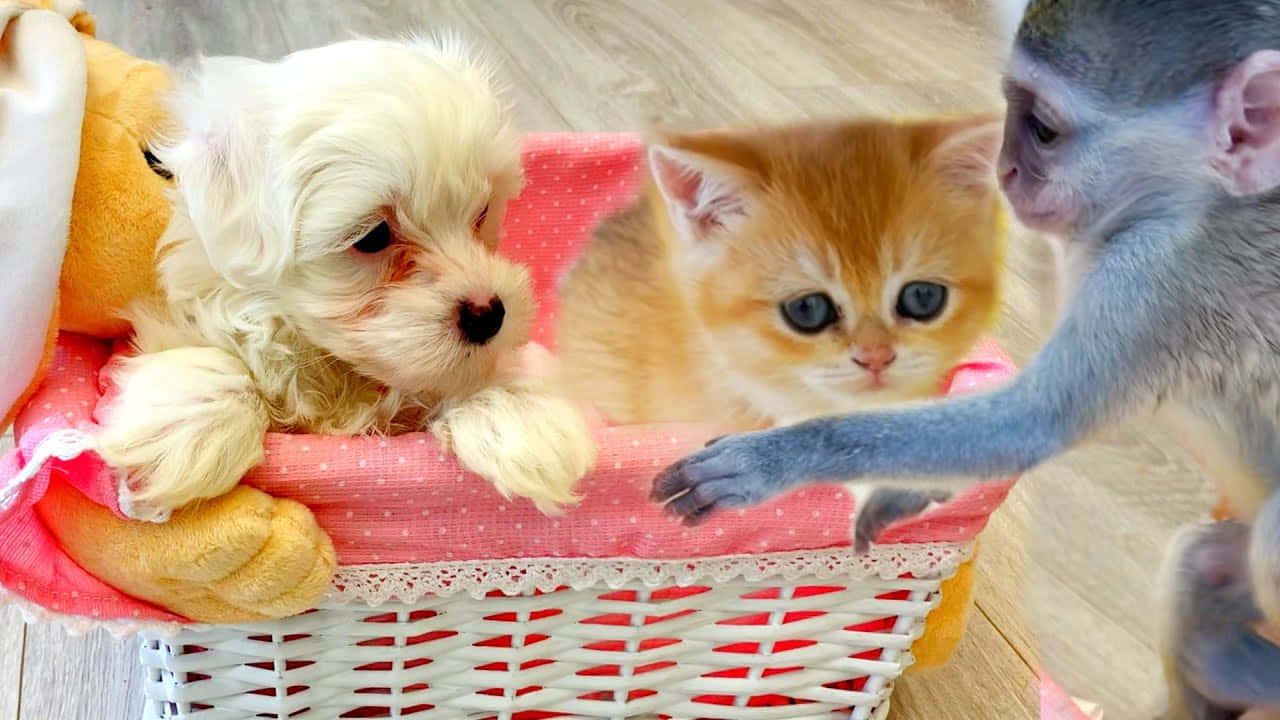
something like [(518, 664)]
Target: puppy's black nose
[(479, 323)]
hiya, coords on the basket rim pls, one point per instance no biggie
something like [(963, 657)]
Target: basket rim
[(928, 562), (375, 584)]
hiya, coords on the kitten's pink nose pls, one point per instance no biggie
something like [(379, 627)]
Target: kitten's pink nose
[(874, 357)]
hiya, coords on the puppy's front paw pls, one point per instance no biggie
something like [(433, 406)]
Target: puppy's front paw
[(186, 424), (525, 440)]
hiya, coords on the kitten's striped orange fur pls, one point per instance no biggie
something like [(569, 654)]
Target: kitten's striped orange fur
[(675, 311)]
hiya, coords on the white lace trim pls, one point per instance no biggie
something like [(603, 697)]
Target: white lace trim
[(376, 584), (63, 445)]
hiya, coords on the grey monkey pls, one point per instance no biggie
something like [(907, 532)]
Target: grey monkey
[(1147, 133)]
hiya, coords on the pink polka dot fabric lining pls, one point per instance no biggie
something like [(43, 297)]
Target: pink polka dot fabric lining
[(403, 500)]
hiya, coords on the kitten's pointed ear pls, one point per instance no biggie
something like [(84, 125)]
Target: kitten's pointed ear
[(702, 194), (1246, 129), (966, 154)]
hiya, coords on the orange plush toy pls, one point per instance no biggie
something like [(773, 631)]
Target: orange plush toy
[(81, 209)]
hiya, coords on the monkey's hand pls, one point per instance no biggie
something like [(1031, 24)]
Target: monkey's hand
[(731, 471), (883, 506)]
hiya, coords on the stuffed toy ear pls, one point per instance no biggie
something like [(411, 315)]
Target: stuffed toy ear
[(42, 95)]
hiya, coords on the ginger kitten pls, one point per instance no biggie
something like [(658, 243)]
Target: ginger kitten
[(773, 275)]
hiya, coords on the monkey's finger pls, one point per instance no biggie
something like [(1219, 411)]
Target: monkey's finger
[(694, 503), (702, 513), (675, 479), (1240, 670), (700, 501)]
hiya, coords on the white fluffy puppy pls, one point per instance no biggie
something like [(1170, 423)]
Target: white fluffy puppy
[(331, 267)]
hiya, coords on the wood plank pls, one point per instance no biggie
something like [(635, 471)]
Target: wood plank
[(91, 677), (619, 65), (12, 638), (986, 679), (1001, 573)]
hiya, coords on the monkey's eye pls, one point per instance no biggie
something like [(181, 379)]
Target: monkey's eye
[(921, 301), (479, 221), (374, 241), (1043, 134), (810, 314)]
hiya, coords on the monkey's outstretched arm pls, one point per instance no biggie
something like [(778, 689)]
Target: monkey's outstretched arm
[(1106, 356)]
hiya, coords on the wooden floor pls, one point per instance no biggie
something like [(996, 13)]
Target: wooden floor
[(1065, 575)]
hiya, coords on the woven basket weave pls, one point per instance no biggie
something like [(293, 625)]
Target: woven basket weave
[(809, 647)]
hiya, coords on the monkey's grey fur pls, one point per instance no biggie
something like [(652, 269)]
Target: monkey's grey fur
[(1098, 44), (1178, 305)]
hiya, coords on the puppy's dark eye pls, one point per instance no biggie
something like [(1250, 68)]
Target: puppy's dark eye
[(921, 301), (810, 314), (1043, 134), (376, 240), (479, 221), (156, 166)]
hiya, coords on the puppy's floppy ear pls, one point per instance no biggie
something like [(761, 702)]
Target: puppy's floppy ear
[(221, 160)]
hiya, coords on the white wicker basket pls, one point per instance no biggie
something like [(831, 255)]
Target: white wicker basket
[(803, 634), (818, 636)]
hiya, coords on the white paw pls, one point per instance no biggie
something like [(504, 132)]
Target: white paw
[(526, 441), (186, 425)]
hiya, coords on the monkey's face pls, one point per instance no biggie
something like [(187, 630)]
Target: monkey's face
[(1078, 163), (1043, 152)]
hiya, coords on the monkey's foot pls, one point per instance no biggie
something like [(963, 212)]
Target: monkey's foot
[(883, 506)]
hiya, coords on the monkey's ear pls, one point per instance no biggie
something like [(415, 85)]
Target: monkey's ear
[(1247, 125), (967, 152), (702, 194)]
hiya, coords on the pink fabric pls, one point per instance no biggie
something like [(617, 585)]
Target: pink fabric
[(401, 499), (1055, 704)]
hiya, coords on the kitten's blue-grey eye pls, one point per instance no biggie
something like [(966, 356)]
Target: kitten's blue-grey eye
[(921, 301), (810, 313), (376, 240)]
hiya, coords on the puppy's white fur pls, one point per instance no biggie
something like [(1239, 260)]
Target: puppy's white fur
[(270, 319)]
